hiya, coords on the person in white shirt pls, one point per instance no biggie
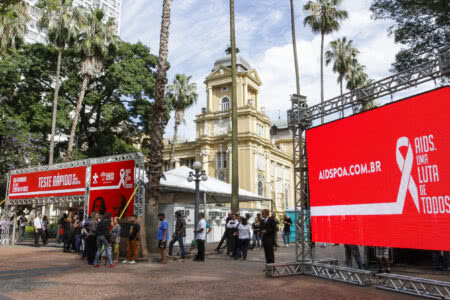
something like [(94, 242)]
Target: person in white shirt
[(243, 242), (38, 231), (200, 236)]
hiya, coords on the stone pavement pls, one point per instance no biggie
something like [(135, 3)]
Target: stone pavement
[(47, 273)]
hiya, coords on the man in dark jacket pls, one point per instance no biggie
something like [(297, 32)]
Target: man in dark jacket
[(268, 230), (103, 239), (178, 235)]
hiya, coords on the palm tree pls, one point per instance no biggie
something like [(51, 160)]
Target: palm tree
[(158, 124), (13, 27), (234, 119), (343, 55), (61, 20), (356, 79), (96, 41), (182, 94), (324, 17)]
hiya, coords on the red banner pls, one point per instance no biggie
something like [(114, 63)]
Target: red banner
[(54, 183), (382, 178), (112, 185)]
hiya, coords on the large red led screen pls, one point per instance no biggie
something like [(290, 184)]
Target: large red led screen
[(112, 185), (382, 178)]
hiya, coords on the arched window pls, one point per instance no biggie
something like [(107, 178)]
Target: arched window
[(260, 188), (225, 104)]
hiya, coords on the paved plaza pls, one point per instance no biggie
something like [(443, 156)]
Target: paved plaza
[(48, 273)]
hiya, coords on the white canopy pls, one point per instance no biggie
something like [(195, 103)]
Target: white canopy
[(176, 180)]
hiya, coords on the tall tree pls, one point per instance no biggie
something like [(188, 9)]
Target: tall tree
[(420, 26), (158, 124), (324, 17), (62, 22), (234, 119), (96, 41), (182, 94), (294, 44), (343, 55), (13, 26)]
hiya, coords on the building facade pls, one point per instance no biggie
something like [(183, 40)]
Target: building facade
[(112, 9), (265, 147)]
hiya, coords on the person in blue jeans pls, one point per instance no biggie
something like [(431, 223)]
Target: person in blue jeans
[(163, 233), (103, 239), (178, 235), (243, 242)]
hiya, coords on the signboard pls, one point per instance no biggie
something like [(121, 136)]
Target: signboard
[(112, 185), (54, 183), (382, 178)]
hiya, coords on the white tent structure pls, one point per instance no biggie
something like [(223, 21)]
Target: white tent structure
[(176, 181)]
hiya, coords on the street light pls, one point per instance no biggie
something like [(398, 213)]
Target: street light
[(198, 176)]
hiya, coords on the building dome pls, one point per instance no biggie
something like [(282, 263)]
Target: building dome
[(241, 63)]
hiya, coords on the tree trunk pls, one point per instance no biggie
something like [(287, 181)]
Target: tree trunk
[(234, 120), (55, 109), (294, 43), (158, 125), (172, 147), (321, 74), (75, 118), (342, 92)]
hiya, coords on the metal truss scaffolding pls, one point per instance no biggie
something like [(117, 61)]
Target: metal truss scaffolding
[(428, 288), (82, 199), (300, 118)]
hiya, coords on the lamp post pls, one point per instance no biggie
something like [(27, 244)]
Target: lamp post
[(198, 176)]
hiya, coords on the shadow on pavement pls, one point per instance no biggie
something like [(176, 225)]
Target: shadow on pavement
[(26, 279)]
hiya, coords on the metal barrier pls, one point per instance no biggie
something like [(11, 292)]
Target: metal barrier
[(428, 288), (338, 273)]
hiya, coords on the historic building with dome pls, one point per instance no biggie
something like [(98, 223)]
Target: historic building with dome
[(265, 147)]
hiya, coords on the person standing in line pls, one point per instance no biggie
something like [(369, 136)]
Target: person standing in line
[(286, 230), (22, 224), (45, 229), (76, 227), (352, 251), (103, 239), (163, 232), (256, 226), (91, 240), (225, 233), (383, 255), (68, 231), (230, 230), (115, 238), (178, 235), (200, 236), (38, 230), (133, 241), (268, 231), (243, 231)]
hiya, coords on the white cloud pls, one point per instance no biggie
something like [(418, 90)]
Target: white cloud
[(199, 33)]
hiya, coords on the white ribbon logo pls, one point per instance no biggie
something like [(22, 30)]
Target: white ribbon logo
[(405, 166)]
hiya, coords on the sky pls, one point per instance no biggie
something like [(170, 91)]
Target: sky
[(199, 34)]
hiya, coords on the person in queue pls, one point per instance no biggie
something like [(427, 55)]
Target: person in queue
[(268, 230), (133, 241), (103, 239)]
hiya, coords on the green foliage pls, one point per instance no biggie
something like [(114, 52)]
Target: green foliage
[(324, 16), (13, 26), (419, 26)]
